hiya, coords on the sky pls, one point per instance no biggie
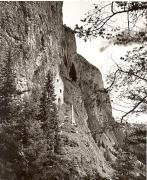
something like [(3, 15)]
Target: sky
[(73, 12)]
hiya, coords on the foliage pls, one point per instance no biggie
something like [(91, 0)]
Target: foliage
[(9, 143), (104, 19), (25, 138), (127, 163), (137, 136), (21, 138), (48, 114), (130, 80), (130, 77), (137, 142), (33, 149), (124, 167)]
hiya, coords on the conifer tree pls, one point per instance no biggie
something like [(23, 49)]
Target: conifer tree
[(8, 117), (27, 140), (124, 167), (125, 164), (7, 89), (23, 146), (52, 111), (49, 114), (33, 148)]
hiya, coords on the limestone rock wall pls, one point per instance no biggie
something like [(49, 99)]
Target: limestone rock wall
[(86, 98), (96, 135), (32, 34)]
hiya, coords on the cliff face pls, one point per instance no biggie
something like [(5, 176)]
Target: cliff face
[(87, 121), (33, 35)]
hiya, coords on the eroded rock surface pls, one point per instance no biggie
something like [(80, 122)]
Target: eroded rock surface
[(87, 103), (34, 36)]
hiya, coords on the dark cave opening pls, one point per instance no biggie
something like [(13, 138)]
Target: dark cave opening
[(72, 73)]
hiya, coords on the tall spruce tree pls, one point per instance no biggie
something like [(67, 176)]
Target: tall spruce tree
[(49, 114), (8, 116), (7, 89), (33, 148), (23, 145)]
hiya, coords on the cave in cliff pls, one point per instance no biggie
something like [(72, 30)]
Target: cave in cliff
[(60, 124)]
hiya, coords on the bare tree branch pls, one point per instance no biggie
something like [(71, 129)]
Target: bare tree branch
[(132, 73), (114, 79), (119, 110), (133, 108)]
